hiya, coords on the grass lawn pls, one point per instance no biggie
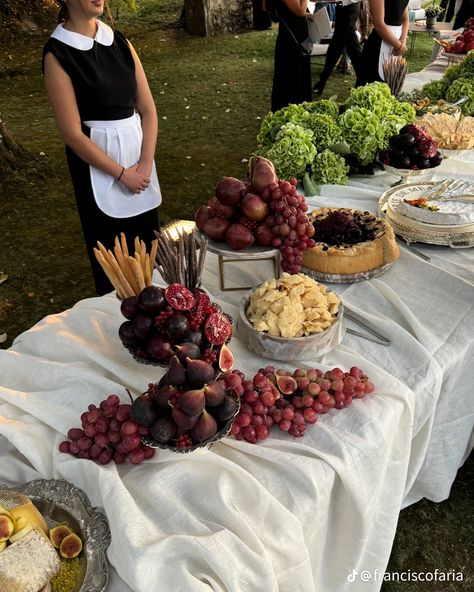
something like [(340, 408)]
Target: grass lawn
[(211, 94)]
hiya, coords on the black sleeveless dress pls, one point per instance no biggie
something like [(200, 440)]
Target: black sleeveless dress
[(369, 64), (292, 74), (105, 86)]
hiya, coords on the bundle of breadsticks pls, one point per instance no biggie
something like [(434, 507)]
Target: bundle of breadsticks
[(395, 69), (129, 275)]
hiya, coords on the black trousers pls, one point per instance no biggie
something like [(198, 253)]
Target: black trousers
[(465, 12), (97, 226), (344, 36)]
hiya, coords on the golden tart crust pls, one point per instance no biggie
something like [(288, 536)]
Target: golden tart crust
[(347, 259)]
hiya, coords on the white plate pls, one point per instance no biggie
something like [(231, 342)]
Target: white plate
[(453, 235)]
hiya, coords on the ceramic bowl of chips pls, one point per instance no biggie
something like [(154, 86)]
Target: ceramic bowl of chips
[(291, 318)]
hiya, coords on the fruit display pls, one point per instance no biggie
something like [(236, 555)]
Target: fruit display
[(413, 148), (266, 212), (192, 405), (292, 306), (296, 137), (128, 275), (290, 400), (464, 42), (108, 433), (25, 537), (448, 131), (162, 322), (349, 242)]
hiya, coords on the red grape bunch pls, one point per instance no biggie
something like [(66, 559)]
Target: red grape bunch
[(108, 434), (292, 400), (289, 223)]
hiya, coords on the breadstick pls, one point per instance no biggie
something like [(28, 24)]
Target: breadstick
[(142, 254), (123, 240), (124, 283), (137, 244), (147, 270), (154, 248), (126, 269), (137, 270), (103, 250), (109, 272)]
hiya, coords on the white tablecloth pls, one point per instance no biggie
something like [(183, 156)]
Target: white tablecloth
[(288, 514)]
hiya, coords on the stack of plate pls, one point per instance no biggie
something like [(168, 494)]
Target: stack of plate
[(421, 225)]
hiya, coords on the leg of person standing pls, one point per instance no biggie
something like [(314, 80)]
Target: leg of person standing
[(344, 36)]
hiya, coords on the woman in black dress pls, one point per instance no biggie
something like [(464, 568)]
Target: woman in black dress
[(388, 37), (292, 75), (106, 114)]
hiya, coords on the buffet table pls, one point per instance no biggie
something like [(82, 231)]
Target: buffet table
[(287, 514)]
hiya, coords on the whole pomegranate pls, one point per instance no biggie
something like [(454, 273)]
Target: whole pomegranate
[(239, 237)]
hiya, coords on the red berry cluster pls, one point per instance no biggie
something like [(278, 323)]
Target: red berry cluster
[(108, 434), (292, 400)]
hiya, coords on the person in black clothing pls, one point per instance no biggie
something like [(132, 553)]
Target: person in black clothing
[(344, 36), (292, 74), (106, 114), (465, 12), (388, 37)]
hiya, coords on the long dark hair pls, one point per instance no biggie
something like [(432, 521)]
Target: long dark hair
[(63, 12)]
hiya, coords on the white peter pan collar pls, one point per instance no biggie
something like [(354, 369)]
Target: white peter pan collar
[(104, 36)]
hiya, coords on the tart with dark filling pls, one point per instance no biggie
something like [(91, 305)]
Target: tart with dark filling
[(349, 241)]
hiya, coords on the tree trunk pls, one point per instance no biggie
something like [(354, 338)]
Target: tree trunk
[(212, 17), (12, 155)]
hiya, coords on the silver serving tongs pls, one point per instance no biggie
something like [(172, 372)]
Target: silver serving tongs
[(374, 336)]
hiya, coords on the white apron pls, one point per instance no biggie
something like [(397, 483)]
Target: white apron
[(122, 140), (386, 49)]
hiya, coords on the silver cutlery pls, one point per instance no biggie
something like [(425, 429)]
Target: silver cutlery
[(373, 335)]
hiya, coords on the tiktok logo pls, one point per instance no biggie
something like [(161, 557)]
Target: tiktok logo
[(352, 576)]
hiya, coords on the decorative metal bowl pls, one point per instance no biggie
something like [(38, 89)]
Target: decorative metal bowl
[(285, 348), (460, 154), (60, 502), (407, 173), (224, 429)]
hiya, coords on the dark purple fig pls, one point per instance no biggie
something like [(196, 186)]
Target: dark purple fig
[(159, 349), (143, 410), (127, 334), (192, 402), (143, 326), (164, 394), (129, 307), (152, 300), (188, 350), (177, 328), (183, 421), (214, 392), (205, 428), (195, 337), (226, 409), (163, 429), (199, 372), (226, 359), (176, 373)]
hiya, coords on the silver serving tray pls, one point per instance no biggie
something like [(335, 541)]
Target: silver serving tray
[(223, 249), (286, 348), (61, 502), (411, 230), (346, 278)]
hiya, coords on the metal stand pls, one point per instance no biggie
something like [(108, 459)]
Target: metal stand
[(223, 260)]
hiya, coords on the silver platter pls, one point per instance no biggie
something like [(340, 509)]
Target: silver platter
[(223, 249), (222, 432), (352, 278), (60, 502), (455, 236)]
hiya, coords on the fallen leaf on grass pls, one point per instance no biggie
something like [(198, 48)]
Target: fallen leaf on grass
[(3, 337), (3, 277)]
